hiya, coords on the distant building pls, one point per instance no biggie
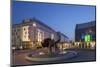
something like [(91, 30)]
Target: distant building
[(30, 33), (84, 29), (85, 32), (64, 41), (63, 37)]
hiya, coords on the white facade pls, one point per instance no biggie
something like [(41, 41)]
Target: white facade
[(32, 33), (25, 34)]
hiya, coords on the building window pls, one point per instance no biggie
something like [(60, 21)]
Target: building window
[(14, 30), (18, 30), (24, 36), (52, 36), (25, 32), (18, 36), (24, 29), (40, 35), (16, 33)]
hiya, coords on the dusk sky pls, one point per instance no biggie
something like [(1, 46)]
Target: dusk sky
[(60, 17)]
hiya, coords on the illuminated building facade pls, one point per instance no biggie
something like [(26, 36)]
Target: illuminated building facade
[(64, 41), (85, 32), (30, 33)]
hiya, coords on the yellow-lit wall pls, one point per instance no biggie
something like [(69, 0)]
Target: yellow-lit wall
[(25, 34)]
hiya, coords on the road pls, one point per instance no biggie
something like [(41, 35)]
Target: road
[(18, 58)]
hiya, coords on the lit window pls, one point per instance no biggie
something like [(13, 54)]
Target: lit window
[(52, 36), (39, 35), (34, 24)]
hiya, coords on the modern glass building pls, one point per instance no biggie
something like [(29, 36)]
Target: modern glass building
[(85, 32)]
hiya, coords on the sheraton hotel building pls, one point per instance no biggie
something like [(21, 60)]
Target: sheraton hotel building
[(31, 32)]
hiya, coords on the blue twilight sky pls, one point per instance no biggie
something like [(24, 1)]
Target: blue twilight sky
[(61, 18)]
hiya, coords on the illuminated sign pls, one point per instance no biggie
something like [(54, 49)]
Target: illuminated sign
[(87, 38)]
